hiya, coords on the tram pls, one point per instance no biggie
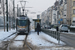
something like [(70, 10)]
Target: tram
[(23, 24)]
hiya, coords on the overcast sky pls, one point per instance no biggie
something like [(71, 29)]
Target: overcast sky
[(37, 5)]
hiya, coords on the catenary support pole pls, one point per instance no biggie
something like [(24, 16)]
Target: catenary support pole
[(13, 14), (7, 13)]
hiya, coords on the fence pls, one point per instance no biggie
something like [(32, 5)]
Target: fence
[(54, 34)]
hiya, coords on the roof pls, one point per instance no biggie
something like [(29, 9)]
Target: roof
[(36, 19)]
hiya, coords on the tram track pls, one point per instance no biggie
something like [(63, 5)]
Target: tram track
[(26, 44), (6, 41), (7, 45)]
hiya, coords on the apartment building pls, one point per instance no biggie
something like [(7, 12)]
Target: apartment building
[(69, 11), (63, 11), (73, 13)]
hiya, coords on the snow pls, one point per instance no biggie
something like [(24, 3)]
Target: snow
[(72, 26), (20, 37), (52, 29), (17, 44), (37, 40), (18, 41), (5, 34), (42, 39)]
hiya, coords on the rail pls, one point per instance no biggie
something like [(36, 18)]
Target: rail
[(7, 42), (53, 34), (25, 43)]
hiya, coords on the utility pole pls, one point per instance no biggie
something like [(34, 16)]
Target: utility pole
[(7, 13), (4, 14), (17, 10)]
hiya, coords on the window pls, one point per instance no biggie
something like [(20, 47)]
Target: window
[(65, 1), (73, 3), (73, 11), (0, 12), (73, 21)]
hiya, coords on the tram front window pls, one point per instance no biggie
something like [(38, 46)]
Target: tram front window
[(22, 22)]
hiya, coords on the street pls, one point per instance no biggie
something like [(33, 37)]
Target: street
[(69, 39)]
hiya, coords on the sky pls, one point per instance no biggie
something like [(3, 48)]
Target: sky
[(38, 6)]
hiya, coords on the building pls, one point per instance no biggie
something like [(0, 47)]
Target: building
[(55, 13), (43, 18), (69, 11), (49, 16), (46, 17), (73, 13), (63, 11)]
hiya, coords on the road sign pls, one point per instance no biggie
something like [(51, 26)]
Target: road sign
[(61, 19)]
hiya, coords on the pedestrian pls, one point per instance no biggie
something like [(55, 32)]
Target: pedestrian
[(38, 28), (57, 28)]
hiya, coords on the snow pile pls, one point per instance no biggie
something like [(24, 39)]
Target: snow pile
[(42, 39), (52, 29), (72, 26)]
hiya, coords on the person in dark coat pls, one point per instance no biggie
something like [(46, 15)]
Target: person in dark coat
[(57, 28), (38, 28)]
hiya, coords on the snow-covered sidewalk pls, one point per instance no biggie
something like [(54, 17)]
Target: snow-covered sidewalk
[(42, 39), (5, 34)]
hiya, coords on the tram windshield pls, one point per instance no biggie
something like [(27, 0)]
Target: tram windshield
[(22, 22)]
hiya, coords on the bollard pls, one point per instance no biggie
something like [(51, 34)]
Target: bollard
[(55, 34), (58, 38)]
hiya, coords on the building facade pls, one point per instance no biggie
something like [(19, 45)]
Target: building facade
[(62, 12), (73, 13)]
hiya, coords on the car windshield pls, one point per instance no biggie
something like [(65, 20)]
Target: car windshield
[(64, 26), (22, 22), (73, 21)]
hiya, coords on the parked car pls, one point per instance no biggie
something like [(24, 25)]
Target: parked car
[(63, 28), (48, 27)]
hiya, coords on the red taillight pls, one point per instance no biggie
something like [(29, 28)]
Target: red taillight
[(20, 29)]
